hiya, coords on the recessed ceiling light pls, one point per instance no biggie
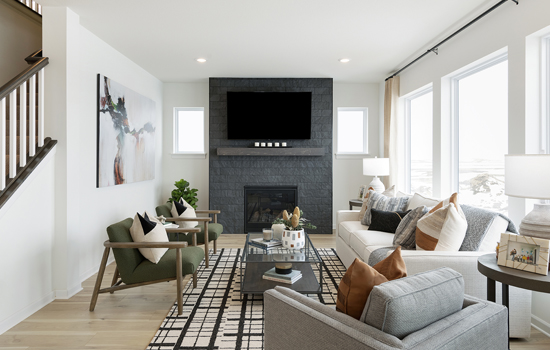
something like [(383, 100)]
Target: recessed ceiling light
[(344, 60), (201, 60)]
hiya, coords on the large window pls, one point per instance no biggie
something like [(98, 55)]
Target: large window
[(189, 131), (480, 111), (352, 131), (419, 145), (545, 122)]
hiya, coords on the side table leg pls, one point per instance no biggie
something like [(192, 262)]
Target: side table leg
[(506, 302), (491, 291)]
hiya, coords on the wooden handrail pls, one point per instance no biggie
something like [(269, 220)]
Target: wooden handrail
[(34, 57), (23, 77)]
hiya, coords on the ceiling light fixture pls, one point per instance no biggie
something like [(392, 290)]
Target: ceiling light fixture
[(344, 60), (201, 60)]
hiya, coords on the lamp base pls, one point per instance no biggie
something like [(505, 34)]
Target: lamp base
[(377, 185), (537, 222)]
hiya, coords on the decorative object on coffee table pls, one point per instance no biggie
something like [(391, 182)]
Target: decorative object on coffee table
[(524, 253), (293, 234), (526, 176), (278, 231), (376, 167)]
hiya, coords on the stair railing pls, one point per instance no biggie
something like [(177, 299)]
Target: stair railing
[(33, 5), (31, 80)]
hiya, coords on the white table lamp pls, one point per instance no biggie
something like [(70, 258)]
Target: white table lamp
[(376, 167), (528, 176)]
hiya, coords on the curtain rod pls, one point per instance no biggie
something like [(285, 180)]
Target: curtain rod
[(436, 47)]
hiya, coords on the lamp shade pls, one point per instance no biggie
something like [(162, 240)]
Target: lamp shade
[(376, 166), (527, 176)]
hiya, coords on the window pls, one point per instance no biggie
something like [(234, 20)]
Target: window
[(352, 132), (545, 122), (189, 131), (419, 142), (480, 137)]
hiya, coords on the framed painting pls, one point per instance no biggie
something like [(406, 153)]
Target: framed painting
[(125, 134), (524, 253)]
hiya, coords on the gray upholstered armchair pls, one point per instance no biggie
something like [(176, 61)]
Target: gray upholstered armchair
[(397, 316)]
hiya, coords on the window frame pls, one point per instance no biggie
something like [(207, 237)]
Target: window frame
[(407, 112), (353, 155), (545, 95), (175, 145), (455, 132)]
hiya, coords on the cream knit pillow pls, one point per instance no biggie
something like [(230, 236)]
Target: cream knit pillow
[(442, 228), (147, 228)]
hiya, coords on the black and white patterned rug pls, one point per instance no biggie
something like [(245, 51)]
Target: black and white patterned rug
[(214, 315)]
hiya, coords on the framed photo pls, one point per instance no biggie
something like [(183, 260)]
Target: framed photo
[(524, 253), (362, 190)]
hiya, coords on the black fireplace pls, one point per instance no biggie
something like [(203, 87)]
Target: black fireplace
[(263, 204)]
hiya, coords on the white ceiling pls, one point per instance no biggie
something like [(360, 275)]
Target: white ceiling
[(273, 38)]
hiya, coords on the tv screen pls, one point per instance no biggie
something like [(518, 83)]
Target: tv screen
[(268, 115)]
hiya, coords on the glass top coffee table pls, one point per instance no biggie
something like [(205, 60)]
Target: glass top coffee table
[(256, 261)]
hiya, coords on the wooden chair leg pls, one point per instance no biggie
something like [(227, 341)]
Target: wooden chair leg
[(215, 246), (179, 279), (195, 279), (206, 250), (115, 277), (99, 278), (194, 239)]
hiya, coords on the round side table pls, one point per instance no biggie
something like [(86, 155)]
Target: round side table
[(355, 203), (487, 266)]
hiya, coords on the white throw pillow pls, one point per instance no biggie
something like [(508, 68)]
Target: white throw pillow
[(443, 228), (147, 228), (183, 209), (419, 200)]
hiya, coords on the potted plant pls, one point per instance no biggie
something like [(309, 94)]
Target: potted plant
[(183, 191), (293, 232)]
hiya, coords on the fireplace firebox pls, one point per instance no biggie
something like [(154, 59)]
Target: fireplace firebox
[(263, 204)]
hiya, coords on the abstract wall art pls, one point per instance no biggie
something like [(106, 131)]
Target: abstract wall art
[(125, 135)]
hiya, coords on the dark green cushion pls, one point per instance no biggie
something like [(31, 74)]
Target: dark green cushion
[(191, 257), (126, 259), (165, 209)]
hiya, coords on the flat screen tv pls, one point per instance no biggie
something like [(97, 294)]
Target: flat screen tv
[(268, 115)]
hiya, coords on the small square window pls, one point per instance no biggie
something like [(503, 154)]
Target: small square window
[(352, 126), (189, 130)]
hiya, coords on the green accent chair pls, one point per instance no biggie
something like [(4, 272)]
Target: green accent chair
[(208, 231), (134, 270)]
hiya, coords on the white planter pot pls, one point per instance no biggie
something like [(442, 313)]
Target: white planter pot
[(278, 231), (294, 239)]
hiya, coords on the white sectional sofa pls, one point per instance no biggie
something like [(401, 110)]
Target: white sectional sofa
[(356, 241)]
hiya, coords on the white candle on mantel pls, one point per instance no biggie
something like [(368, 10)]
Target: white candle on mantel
[(284, 144), (263, 144), (269, 144), (276, 144), (256, 144)]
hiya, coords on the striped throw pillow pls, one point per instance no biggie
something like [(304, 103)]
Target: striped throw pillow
[(381, 202), (405, 232)]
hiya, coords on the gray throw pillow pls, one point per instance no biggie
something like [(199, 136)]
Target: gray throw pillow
[(405, 234), (381, 202), (406, 305)]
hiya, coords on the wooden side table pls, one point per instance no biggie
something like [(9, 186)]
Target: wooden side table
[(487, 266), (355, 203)]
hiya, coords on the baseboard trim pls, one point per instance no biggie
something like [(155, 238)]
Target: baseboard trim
[(94, 270), (25, 312), (541, 325), (68, 293)]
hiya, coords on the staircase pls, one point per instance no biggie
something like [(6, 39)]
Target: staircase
[(22, 141)]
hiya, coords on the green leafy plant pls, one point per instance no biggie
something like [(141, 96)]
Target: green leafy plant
[(183, 191), (294, 221)]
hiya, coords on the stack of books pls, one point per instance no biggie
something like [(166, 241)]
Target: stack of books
[(277, 277), (260, 243)]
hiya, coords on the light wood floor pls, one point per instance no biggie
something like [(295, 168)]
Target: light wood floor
[(128, 319)]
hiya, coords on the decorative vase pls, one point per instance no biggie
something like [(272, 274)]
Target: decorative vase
[(278, 231), (294, 239)]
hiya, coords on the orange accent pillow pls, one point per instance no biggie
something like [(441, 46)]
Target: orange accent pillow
[(393, 266), (360, 279), (355, 287)]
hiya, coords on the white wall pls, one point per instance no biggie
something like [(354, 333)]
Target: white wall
[(348, 173), (506, 28), (174, 168), (19, 37), (83, 211), (26, 242)]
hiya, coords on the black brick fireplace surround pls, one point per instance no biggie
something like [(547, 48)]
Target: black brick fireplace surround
[(312, 174)]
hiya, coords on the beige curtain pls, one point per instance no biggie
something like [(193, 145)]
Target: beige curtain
[(391, 130)]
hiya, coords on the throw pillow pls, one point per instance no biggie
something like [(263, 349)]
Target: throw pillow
[(364, 206), (381, 202), (419, 200), (355, 287), (184, 210), (405, 232), (443, 228), (393, 266), (386, 221), (147, 228)]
